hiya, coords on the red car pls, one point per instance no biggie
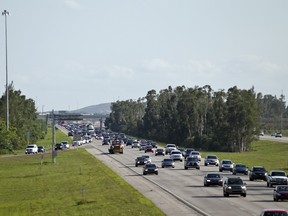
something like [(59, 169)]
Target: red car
[(274, 212), (149, 149)]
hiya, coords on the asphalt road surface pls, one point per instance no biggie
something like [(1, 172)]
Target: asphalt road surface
[(181, 192)]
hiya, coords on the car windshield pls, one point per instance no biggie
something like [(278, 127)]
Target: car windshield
[(226, 162), (170, 145), (150, 166), (175, 152), (194, 153), (234, 181), (278, 174), (213, 175), (116, 142), (282, 188), (275, 213), (258, 169), (159, 150), (192, 159), (168, 160), (240, 166), (211, 157)]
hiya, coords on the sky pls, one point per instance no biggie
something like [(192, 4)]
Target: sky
[(70, 54)]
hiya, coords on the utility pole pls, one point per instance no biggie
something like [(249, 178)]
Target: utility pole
[(6, 13)]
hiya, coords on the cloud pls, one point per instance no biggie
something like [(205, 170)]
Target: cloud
[(72, 4)]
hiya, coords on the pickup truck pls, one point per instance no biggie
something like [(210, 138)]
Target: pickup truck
[(277, 177), (116, 146)]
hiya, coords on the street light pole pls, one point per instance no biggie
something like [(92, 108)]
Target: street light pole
[(5, 13)]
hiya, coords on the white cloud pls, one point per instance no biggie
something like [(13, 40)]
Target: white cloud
[(72, 4)]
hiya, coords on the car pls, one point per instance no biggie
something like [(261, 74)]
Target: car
[(106, 141), (141, 161), (261, 133), (41, 149), (142, 146), (159, 151), (31, 149), (258, 173), (135, 144), (116, 145), (212, 178), (150, 168), (240, 168), (211, 160), (176, 155), (129, 142), (58, 146), (169, 148), (226, 165), (187, 151), (234, 185), (167, 162), (70, 133), (76, 143), (276, 177), (191, 162), (148, 158), (278, 134), (280, 192), (274, 212), (195, 154), (65, 144), (149, 148), (154, 144)]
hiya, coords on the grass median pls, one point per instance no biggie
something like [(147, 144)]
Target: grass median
[(77, 184)]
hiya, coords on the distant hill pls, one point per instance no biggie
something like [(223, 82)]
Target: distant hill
[(102, 109)]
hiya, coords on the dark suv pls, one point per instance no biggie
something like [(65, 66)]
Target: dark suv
[(258, 172), (234, 185)]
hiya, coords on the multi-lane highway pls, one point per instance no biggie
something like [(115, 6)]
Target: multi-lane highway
[(180, 191)]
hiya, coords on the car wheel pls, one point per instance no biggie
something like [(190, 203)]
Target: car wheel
[(206, 164), (275, 199), (186, 168), (244, 195), (162, 166), (156, 173), (220, 170), (267, 184), (234, 173), (250, 179), (198, 168)]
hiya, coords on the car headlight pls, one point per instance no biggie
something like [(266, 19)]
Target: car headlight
[(146, 169), (229, 187), (243, 187), (208, 180)]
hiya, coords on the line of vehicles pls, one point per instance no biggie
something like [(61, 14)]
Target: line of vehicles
[(232, 185)]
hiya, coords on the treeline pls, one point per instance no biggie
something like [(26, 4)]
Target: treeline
[(23, 122), (197, 117)]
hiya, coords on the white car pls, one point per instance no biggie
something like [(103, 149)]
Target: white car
[(135, 144), (195, 154), (66, 145), (176, 155), (31, 149), (169, 148)]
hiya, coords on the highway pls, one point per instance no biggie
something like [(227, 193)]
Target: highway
[(180, 191)]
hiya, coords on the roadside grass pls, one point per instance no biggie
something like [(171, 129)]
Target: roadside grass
[(77, 184), (272, 155)]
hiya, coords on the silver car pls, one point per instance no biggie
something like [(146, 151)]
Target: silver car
[(176, 155)]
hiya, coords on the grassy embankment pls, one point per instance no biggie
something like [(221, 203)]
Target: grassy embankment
[(77, 184)]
